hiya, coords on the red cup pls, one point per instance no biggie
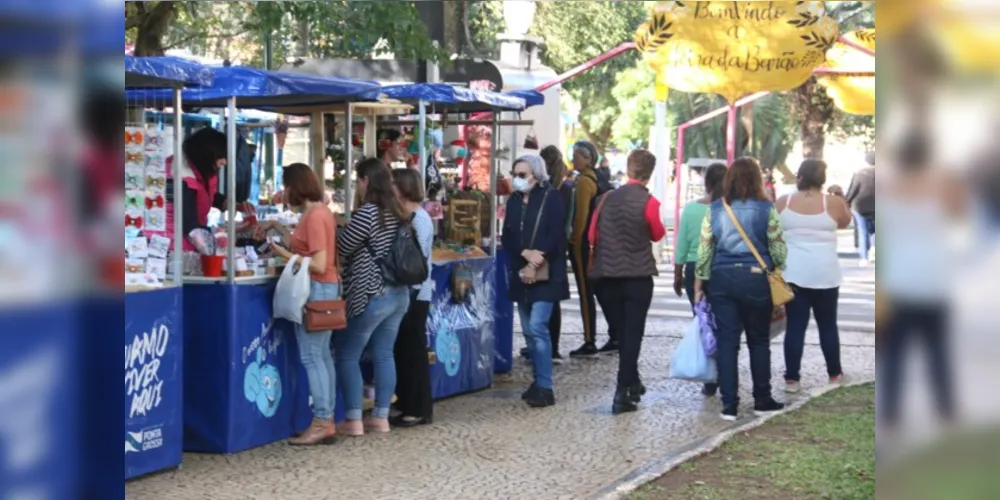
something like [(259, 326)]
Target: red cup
[(211, 265)]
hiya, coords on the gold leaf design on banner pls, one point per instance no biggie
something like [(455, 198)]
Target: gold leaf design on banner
[(853, 91), (736, 48), (654, 34)]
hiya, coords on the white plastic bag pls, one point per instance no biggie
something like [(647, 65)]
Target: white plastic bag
[(779, 322), (292, 292), (690, 361)]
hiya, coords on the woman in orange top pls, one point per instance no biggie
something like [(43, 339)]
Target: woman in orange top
[(314, 237)]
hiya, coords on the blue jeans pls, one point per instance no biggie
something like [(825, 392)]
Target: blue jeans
[(376, 329), (823, 305), (865, 226), (535, 322), (314, 351), (741, 301)]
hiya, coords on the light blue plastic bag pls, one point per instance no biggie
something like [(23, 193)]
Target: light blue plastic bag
[(690, 361)]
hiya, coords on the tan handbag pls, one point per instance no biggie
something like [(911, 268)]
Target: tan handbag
[(540, 273), (781, 293), (325, 315)]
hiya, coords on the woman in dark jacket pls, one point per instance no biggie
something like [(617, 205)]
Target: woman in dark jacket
[(534, 238), (555, 165)]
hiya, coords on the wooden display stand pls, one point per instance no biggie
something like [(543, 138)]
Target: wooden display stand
[(463, 222)]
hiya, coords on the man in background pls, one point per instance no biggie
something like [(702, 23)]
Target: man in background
[(861, 197)]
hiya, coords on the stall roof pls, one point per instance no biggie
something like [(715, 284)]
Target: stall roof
[(531, 97), (459, 99), (268, 90), (164, 72)]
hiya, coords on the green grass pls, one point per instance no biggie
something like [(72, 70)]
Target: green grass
[(825, 450)]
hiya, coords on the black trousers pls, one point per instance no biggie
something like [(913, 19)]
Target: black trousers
[(915, 323), (413, 370), (555, 327), (627, 303), (579, 255)]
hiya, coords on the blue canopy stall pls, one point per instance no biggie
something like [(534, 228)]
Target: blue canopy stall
[(245, 386), (154, 327), (466, 335)]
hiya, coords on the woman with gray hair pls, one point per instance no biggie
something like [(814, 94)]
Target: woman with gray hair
[(534, 238)]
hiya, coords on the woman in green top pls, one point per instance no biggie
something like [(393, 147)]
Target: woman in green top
[(689, 237), (689, 233)]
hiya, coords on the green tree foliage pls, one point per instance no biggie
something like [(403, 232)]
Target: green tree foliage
[(234, 29), (576, 32)]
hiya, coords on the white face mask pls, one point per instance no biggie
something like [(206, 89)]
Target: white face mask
[(522, 185)]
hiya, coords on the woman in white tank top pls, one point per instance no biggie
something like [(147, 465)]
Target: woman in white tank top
[(810, 220)]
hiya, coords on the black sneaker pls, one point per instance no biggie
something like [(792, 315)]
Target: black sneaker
[(557, 359), (709, 390), (527, 394), (763, 408), (610, 348), (587, 351), (730, 413), (525, 353), (624, 402), (541, 398), (636, 393)]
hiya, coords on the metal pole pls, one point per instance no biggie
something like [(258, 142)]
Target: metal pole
[(317, 139), (231, 191), (678, 166), (178, 257), (493, 184), (349, 159), (731, 135), (422, 137), (662, 178)]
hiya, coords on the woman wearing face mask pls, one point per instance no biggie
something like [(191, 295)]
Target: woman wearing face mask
[(205, 152), (534, 236)]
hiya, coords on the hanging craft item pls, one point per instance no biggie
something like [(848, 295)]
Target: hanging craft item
[(531, 140), (854, 90), (736, 48)]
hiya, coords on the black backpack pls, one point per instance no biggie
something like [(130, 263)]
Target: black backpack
[(405, 264)]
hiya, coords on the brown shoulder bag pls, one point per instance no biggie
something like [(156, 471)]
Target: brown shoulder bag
[(325, 315)]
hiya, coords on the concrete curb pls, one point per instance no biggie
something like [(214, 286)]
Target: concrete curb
[(650, 472)]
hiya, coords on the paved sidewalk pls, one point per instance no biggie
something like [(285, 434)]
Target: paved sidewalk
[(489, 445)]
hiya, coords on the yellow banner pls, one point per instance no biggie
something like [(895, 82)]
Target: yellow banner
[(736, 48), (852, 93)]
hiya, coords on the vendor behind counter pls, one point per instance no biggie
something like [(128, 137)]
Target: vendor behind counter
[(206, 153)]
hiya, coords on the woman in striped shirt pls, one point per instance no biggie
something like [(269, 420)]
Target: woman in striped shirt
[(374, 308)]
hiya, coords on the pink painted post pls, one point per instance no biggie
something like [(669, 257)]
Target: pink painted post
[(678, 166), (731, 135)]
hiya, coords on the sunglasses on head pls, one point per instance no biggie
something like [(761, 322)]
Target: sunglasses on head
[(135, 222), (155, 202), (135, 137)]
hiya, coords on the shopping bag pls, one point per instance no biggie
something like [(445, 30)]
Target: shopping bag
[(690, 361), (706, 325), (779, 322), (292, 291)]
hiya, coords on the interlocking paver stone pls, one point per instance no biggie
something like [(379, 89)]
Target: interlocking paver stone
[(490, 445)]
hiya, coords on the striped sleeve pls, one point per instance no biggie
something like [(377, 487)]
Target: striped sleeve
[(358, 231)]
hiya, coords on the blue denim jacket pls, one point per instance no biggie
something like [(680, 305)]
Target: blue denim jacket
[(729, 245)]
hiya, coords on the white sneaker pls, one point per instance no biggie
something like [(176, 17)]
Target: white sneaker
[(793, 387)]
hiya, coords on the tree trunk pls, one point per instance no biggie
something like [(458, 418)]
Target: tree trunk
[(599, 137), (815, 109), (152, 25)]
